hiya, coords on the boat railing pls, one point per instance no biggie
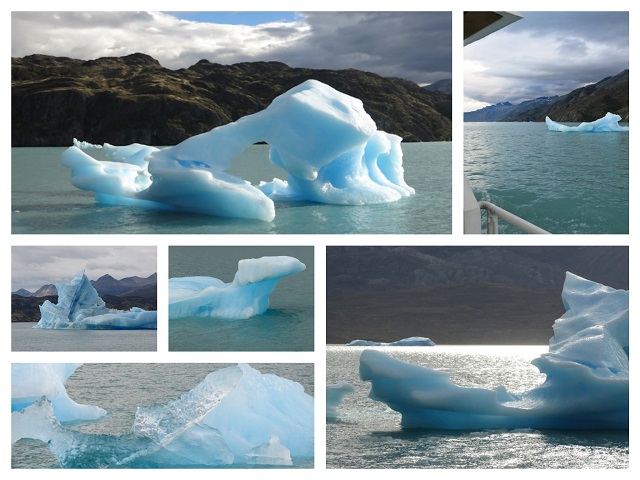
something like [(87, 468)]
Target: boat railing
[(494, 213)]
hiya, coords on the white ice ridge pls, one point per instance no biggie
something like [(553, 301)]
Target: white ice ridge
[(587, 369), (80, 306), (322, 138), (405, 342), (608, 123), (335, 394), (32, 381), (236, 415), (247, 295)]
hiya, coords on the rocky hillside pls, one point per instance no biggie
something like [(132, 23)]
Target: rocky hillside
[(584, 104), (458, 295), (134, 99)]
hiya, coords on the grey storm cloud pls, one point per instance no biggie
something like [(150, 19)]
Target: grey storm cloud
[(33, 267), (545, 53), (411, 45)]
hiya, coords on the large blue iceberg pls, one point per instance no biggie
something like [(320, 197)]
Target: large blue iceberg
[(322, 138), (587, 370), (32, 381), (236, 415), (608, 123), (247, 295), (405, 342), (80, 306)]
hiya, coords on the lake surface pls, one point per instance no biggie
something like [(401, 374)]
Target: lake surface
[(367, 434), (25, 338), (562, 182), (120, 388), (45, 201), (288, 324)]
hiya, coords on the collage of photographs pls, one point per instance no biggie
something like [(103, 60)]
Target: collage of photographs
[(224, 223)]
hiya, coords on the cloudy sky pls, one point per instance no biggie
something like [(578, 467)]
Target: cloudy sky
[(33, 267), (545, 53), (411, 45)]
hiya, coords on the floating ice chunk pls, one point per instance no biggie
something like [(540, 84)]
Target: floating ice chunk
[(235, 415), (335, 394), (608, 123), (32, 381), (405, 342), (322, 138), (587, 368), (272, 453), (84, 145), (247, 295), (79, 306)]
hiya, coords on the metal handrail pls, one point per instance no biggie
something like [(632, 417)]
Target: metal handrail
[(493, 212)]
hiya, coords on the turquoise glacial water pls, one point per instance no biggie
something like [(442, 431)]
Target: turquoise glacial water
[(562, 182), (44, 201)]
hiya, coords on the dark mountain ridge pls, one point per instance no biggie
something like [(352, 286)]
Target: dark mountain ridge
[(458, 295), (122, 100), (584, 104)]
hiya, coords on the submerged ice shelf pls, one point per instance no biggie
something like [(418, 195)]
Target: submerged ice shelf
[(608, 123), (322, 138), (80, 306), (236, 415), (247, 295), (587, 369)]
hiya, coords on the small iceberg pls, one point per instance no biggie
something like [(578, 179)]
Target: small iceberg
[(235, 416), (335, 394), (80, 306), (405, 342), (608, 123), (587, 369), (325, 141), (247, 295)]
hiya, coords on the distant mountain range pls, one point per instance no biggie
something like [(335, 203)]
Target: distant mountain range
[(458, 295), (122, 100), (120, 294), (105, 285), (583, 104)]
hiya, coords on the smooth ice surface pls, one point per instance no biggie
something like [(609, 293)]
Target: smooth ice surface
[(80, 306), (322, 138), (335, 394), (608, 123), (405, 342), (587, 369), (235, 415), (32, 381), (247, 295)]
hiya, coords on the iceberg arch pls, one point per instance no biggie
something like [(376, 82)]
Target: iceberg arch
[(322, 138), (608, 123), (80, 306), (247, 295), (32, 381), (587, 369), (236, 415)]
